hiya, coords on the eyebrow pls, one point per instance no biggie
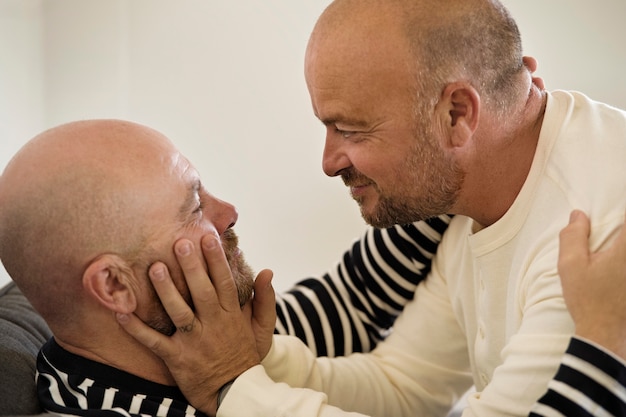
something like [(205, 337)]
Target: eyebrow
[(191, 201), (328, 121)]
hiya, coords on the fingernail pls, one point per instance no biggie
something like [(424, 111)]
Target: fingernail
[(157, 272), (184, 248), (122, 318), (210, 242)]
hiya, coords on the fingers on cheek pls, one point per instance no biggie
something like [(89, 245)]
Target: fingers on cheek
[(158, 273), (184, 250), (213, 253)]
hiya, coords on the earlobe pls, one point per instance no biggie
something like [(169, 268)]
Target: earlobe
[(462, 106), (107, 279)]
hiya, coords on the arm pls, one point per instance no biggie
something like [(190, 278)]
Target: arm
[(592, 375), (195, 357), (406, 375), (590, 382), (352, 307), (254, 389)]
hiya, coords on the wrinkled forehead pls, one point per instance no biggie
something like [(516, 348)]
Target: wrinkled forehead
[(170, 166), (159, 171), (144, 154)]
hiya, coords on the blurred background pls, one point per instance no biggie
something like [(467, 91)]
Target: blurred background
[(224, 80)]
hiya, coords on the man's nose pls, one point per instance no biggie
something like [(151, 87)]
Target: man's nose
[(224, 216), (334, 159)]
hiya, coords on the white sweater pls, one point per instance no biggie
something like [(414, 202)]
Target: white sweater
[(491, 312)]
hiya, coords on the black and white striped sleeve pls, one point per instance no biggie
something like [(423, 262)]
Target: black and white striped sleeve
[(589, 382), (352, 307), (72, 385)]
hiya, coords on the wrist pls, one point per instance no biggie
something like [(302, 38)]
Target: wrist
[(613, 341), (221, 393)]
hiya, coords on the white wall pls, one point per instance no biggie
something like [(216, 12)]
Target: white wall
[(224, 80), (21, 74), (579, 44), (21, 78)]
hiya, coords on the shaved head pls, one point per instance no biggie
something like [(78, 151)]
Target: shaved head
[(64, 200), (86, 209), (439, 40), (390, 80)]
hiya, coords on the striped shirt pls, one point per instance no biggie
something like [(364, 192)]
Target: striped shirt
[(589, 382), (365, 293), (349, 309), (352, 307), (72, 385)]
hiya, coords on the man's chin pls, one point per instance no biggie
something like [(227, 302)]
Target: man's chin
[(377, 223), (367, 208), (383, 216), (373, 217)]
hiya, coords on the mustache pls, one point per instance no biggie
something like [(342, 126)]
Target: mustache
[(230, 242), (352, 177)]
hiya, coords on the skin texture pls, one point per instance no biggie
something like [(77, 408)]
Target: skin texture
[(88, 208)]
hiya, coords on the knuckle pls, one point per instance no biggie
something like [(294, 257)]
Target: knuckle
[(156, 346), (183, 317)]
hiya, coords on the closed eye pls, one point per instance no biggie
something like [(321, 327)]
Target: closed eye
[(201, 202), (194, 203), (344, 133), (199, 208)]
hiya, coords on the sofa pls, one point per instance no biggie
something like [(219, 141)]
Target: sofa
[(22, 333)]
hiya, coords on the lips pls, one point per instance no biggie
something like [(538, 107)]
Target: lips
[(356, 182), (358, 190)]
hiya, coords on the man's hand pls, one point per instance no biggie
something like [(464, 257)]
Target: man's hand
[(216, 343), (263, 312), (594, 284)]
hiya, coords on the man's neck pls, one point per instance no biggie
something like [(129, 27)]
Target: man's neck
[(502, 166), (121, 352)]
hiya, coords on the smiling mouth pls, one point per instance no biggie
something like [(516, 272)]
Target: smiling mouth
[(358, 190)]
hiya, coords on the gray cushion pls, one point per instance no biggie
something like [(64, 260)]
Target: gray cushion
[(22, 333)]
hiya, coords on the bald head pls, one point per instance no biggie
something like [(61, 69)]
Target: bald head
[(70, 194), (440, 41)]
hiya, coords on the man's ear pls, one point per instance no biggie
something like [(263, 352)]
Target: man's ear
[(459, 110), (108, 279)]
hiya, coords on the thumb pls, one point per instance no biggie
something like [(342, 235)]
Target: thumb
[(264, 311), (264, 302)]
